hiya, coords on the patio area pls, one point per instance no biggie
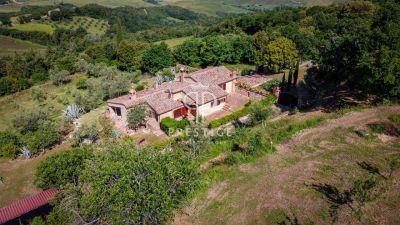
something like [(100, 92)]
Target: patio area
[(234, 102)]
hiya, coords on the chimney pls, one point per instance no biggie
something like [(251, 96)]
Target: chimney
[(169, 94), (233, 73), (182, 74), (132, 94)]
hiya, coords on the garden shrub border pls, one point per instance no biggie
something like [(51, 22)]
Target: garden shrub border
[(269, 100)]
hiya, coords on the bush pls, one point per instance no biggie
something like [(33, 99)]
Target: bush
[(170, 125), (81, 83), (62, 168), (139, 87), (38, 94), (59, 77), (271, 84), (243, 112), (129, 184), (395, 118), (229, 118), (260, 113), (29, 121), (45, 137), (10, 144), (39, 77), (137, 115), (88, 132)]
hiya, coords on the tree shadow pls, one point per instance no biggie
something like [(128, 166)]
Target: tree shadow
[(335, 198), (371, 169)]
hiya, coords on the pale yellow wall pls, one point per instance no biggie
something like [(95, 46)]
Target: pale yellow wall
[(167, 114), (206, 109), (230, 87)]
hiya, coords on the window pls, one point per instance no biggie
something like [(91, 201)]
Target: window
[(222, 100), (223, 86), (117, 110)]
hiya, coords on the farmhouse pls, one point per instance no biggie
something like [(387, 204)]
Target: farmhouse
[(200, 93)]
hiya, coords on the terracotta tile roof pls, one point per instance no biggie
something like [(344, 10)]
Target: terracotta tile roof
[(201, 93), (254, 80), (162, 103), (213, 75), (24, 206), (204, 90)]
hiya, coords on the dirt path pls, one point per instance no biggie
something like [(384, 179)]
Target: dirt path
[(278, 186)]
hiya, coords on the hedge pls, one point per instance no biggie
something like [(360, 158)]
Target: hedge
[(243, 112), (169, 125)]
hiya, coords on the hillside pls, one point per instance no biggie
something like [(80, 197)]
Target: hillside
[(17, 46), (209, 7), (306, 178)]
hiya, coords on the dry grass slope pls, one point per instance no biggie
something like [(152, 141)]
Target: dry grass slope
[(306, 177)]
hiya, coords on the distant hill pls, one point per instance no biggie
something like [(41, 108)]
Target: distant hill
[(209, 7)]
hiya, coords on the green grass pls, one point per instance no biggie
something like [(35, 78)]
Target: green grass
[(174, 41), (11, 46), (91, 25), (58, 97), (33, 26)]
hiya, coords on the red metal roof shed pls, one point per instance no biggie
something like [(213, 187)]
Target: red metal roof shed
[(24, 206)]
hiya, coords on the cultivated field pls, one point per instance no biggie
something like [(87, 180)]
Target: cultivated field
[(174, 41), (34, 26), (11, 46), (314, 178)]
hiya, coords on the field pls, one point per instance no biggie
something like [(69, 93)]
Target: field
[(12, 46), (33, 26), (310, 179), (174, 41), (91, 25), (209, 7)]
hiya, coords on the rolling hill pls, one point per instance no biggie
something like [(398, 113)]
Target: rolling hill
[(209, 7)]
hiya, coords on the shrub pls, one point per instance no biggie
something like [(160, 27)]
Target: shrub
[(45, 137), (39, 77), (62, 168), (88, 132), (38, 94), (256, 143), (260, 113), (81, 83), (139, 87), (29, 121), (170, 125), (137, 115), (243, 112), (229, 118), (117, 179), (59, 77), (271, 84), (395, 118), (10, 144)]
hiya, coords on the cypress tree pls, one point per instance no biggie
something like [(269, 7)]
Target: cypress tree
[(283, 80), (296, 74), (289, 85)]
